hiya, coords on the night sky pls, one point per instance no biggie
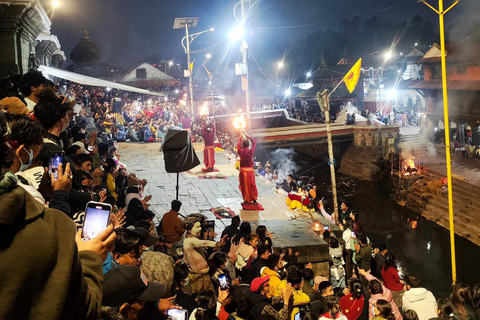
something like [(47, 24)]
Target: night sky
[(127, 31)]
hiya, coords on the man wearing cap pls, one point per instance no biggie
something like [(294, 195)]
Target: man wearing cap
[(14, 105), (129, 247), (126, 289), (31, 85), (261, 304)]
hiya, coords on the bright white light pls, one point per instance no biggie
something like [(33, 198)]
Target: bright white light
[(149, 101), (237, 33), (209, 83), (55, 3), (388, 55), (309, 74), (108, 89), (208, 56), (288, 92), (176, 91), (399, 71), (138, 108), (170, 63), (211, 29), (392, 94), (416, 44), (280, 64), (166, 99)]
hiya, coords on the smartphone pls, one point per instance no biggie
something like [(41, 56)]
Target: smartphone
[(223, 282), (54, 159), (325, 228), (210, 225), (90, 148), (353, 234), (96, 220), (296, 316), (177, 314)]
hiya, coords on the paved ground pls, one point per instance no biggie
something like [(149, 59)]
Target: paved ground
[(290, 228)]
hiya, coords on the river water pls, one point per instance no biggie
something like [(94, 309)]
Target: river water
[(421, 246)]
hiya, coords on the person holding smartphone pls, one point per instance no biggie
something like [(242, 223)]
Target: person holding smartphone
[(53, 113), (47, 271)]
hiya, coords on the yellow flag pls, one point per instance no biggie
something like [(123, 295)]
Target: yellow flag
[(191, 66), (351, 78)]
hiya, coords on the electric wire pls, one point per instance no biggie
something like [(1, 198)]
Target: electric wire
[(261, 70), (332, 20)]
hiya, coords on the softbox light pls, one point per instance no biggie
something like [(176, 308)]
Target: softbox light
[(178, 152)]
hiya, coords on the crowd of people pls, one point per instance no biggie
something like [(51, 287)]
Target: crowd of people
[(134, 269)]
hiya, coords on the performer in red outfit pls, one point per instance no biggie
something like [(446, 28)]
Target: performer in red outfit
[(209, 151), (248, 186)]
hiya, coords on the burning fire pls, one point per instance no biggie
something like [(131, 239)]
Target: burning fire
[(239, 122), (204, 110), (409, 167)]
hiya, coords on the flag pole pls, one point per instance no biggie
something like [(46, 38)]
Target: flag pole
[(336, 87), (323, 100)]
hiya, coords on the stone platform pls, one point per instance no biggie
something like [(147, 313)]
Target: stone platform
[(290, 228)]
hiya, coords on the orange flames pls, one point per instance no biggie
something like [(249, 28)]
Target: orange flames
[(239, 122), (204, 110), (409, 168)]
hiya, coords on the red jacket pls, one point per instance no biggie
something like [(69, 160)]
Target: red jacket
[(391, 279), (246, 155)]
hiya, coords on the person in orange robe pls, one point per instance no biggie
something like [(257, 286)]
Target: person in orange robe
[(209, 151), (248, 186)]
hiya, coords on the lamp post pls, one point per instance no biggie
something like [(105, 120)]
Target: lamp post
[(186, 23), (238, 33), (279, 66), (210, 80), (441, 12)]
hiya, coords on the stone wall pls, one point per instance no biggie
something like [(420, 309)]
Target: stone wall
[(21, 24)]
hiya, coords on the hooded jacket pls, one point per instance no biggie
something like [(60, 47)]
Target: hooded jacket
[(42, 274), (274, 279), (422, 301)]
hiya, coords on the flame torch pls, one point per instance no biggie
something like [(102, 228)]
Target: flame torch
[(240, 124)]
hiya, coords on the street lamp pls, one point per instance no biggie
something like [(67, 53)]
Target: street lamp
[(237, 33), (441, 12), (388, 55), (181, 23), (279, 66)]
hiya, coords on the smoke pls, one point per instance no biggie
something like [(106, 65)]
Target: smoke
[(283, 163), (464, 25)]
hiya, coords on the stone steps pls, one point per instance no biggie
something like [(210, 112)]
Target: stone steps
[(466, 206)]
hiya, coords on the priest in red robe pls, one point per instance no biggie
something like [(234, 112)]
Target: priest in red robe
[(209, 151), (248, 187)]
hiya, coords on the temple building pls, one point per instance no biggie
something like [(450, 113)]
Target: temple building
[(86, 58), (144, 75), (26, 39)]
